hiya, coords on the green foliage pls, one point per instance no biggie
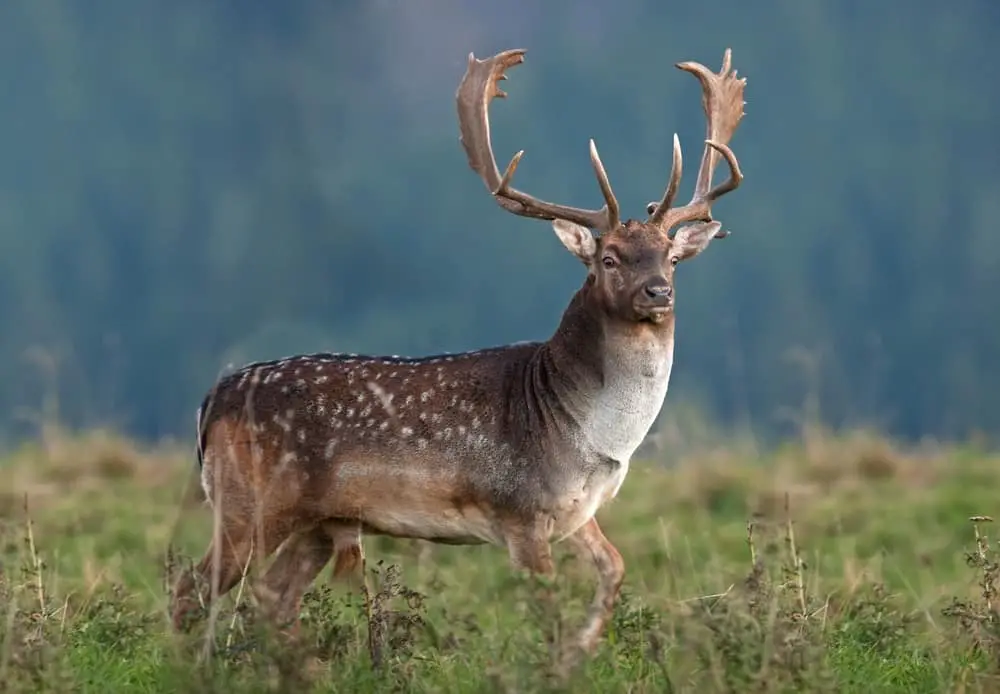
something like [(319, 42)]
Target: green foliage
[(775, 591)]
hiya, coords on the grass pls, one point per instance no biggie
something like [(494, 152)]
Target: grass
[(833, 564)]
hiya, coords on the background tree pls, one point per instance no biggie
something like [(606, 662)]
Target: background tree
[(184, 185)]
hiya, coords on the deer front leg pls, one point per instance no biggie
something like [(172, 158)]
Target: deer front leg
[(299, 561), (531, 551), (590, 541)]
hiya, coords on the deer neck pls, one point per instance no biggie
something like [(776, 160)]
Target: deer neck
[(609, 377)]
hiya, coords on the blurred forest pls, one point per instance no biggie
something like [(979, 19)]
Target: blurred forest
[(189, 185)]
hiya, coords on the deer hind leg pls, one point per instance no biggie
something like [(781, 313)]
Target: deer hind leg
[(590, 541), (234, 543), (299, 561), (349, 554)]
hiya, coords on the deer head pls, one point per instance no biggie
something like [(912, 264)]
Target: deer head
[(631, 264)]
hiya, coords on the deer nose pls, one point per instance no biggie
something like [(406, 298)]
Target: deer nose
[(658, 290)]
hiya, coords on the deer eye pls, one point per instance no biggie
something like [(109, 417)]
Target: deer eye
[(610, 261), (674, 259)]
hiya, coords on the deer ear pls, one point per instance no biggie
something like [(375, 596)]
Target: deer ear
[(692, 239), (578, 239)]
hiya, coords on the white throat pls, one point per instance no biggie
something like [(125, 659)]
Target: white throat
[(617, 417)]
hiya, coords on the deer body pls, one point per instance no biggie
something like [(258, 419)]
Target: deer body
[(423, 448), (516, 446)]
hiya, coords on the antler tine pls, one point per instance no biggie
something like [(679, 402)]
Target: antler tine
[(659, 209), (735, 175), (722, 101), (475, 92), (610, 201)]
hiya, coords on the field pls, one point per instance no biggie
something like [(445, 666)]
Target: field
[(832, 564)]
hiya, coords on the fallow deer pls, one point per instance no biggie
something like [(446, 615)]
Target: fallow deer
[(517, 446)]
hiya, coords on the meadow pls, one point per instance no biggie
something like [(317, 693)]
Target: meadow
[(833, 563)]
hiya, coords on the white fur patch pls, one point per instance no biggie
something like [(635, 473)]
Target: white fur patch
[(620, 415), (615, 421)]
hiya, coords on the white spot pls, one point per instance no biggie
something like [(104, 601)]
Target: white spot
[(302, 435), (331, 446), (320, 380), (406, 431), (385, 398)]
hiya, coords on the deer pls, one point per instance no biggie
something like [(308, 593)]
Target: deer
[(517, 446)]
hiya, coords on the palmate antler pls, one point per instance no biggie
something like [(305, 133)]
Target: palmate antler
[(722, 99), (477, 89)]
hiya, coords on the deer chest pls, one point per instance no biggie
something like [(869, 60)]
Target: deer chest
[(618, 415)]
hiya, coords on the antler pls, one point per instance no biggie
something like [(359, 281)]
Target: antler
[(722, 99), (477, 89)]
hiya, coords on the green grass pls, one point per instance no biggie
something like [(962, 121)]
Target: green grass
[(838, 564)]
